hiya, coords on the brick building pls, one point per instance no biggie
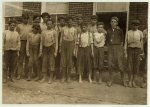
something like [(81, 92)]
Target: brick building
[(125, 11)]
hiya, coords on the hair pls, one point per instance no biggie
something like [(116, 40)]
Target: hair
[(100, 23), (35, 16), (12, 21), (45, 14), (25, 16), (36, 26), (115, 18)]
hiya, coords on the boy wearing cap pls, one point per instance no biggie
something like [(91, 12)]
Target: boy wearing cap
[(93, 26), (115, 40), (11, 47), (83, 51), (99, 42), (48, 49), (67, 43), (23, 29), (133, 49), (33, 49)]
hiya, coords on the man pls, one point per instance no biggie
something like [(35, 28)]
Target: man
[(114, 41)]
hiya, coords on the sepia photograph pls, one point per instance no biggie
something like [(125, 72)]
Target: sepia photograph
[(74, 53)]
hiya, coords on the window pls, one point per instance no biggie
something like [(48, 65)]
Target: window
[(11, 10)]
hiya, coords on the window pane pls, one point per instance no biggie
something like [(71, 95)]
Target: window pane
[(12, 9), (57, 8)]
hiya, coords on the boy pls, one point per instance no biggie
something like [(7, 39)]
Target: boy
[(11, 47), (45, 16), (133, 49), (115, 40), (83, 49), (32, 49), (99, 42), (58, 58), (48, 49), (23, 29), (67, 42)]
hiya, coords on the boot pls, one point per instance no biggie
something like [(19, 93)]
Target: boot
[(38, 76), (90, 80), (44, 78), (51, 77)]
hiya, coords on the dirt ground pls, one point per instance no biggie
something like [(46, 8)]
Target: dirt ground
[(24, 92)]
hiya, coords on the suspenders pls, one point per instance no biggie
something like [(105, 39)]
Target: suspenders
[(80, 39)]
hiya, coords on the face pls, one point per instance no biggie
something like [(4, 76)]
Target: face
[(45, 18), (49, 24), (84, 28), (37, 20), (25, 20), (70, 21), (35, 30), (100, 28), (12, 26), (79, 20), (113, 23), (135, 27), (93, 21), (62, 22)]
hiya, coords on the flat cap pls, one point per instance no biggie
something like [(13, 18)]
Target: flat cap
[(115, 18)]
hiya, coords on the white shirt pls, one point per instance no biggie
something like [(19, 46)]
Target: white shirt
[(69, 34), (99, 39), (134, 38), (84, 39), (11, 40)]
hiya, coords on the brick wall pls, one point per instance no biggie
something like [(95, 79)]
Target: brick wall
[(139, 10), (32, 8), (84, 8)]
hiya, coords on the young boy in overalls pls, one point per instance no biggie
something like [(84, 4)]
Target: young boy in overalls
[(11, 47), (23, 29), (83, 51), (48, 49), (99, 42), (133, 49), (67, 43), (33, 48)]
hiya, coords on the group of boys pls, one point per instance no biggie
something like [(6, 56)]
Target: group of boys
[(48, 51)]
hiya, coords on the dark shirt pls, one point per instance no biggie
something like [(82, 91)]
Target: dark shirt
[(115, 37)]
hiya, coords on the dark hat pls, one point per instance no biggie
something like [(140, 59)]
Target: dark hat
[(93, 17), (100, 23), (135, 22), (116, 18), (45, 14)]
